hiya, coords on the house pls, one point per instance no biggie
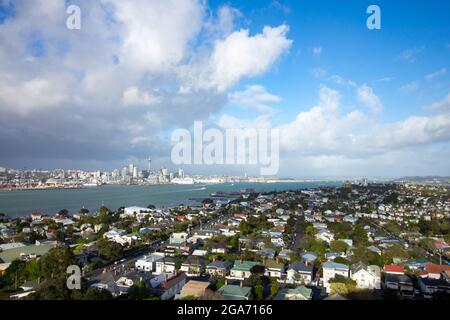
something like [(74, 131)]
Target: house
[(105, 281), (178, 238), (309, 257), (274, 268), (193, 265), (235, 292), (193, 288), (126, 281), (277, 241), (399, 282), (374, 249), (220, 268), (148, 263), (241, 269), (299, 272), (434, 270), (394, 269), (285, 254), (165, 265), (331, 269), (429, 286), (268, 253), (131, 211), (299, 293), (366, 277), (170, 287), (416, 264), (325, 235)]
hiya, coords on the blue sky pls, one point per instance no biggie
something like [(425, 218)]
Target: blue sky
[(355, 53), (347, 100)]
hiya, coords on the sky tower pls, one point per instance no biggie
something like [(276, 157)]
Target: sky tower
[(149, 165)]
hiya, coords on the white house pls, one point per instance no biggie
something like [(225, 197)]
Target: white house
[(331, 269), (325, 235), (366, 277), (165, 265), (178, 238), (148, 263), (131, 211), (299, 272)]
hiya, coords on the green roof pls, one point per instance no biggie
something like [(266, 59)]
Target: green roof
[(416, 261), (235, 292), (273, 264), (10, 255), (244, 265), (302, 290)]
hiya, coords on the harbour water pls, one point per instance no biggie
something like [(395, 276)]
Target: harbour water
[(17, 203)]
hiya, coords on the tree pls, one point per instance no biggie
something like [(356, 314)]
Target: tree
[(258, 291), (63, 212), (33, 270), (15, 273), (97, 294), (55, 262), (338, 246), (245, 228), (359, 235), (339, 288), (310, 231), (151, 206), (109, 250), (139, 291), (52, 289), (274, 288), (83, 211)]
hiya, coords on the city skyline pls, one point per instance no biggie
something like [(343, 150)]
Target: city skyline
[(348, 101)]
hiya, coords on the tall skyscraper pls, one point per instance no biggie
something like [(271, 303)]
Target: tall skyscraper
[(130, 169), (149, 165)]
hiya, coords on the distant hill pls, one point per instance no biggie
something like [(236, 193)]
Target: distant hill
[(438, 180)]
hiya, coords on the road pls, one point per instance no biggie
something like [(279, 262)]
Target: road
[(297, 236)]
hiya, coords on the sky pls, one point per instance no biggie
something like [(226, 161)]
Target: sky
[(347, 101)]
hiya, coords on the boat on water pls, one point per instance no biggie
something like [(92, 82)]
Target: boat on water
[(90, 185)]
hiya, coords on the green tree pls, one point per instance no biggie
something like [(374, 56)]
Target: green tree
[(63, 212), (52, 289), (139, 291), (245, 228), (310, 231), (109, 250), (33, 270), (274, 288), (258, 291), (97, 294), (338, 246), (55, 262), (15, 273)]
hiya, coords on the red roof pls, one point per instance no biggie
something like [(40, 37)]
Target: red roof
[(436, 268), (394, 268)]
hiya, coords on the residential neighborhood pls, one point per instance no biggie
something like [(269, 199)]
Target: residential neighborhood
[(354, 242)]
